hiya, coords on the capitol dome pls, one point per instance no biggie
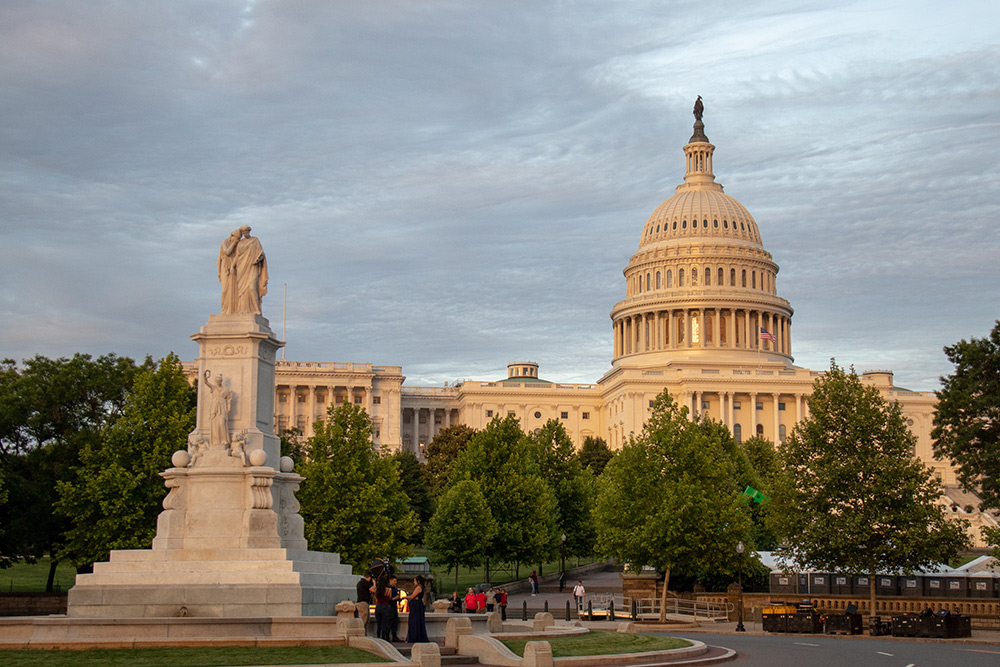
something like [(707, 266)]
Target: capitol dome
[(701, 283)]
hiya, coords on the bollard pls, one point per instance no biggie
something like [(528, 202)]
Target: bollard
[(635, 611), (612, 610), (590, 610), (546, 606), (524, 610), (567, 610)]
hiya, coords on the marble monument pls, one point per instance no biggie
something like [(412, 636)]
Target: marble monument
[(229, 542)]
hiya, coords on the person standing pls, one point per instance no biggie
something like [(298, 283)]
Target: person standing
[(481, 602), (365, 590), (470, 602), (416, 630), (578, 592), (394, 598), (503, 604), (534, 583), (383, 611)]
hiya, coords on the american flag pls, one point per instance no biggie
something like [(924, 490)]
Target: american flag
[(768, 336)]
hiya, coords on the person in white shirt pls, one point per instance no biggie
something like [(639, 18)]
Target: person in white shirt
[(578, 593)]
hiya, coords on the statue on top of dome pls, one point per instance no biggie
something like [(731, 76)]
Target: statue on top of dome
[(699, 108)]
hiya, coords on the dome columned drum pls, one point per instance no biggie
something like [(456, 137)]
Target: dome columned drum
[(701, 284)]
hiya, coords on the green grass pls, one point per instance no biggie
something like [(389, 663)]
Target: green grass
[(471, 577), (186, 657), (31, 577), (599, 642)]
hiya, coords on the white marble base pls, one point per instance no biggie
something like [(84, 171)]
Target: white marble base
[(213, 583)]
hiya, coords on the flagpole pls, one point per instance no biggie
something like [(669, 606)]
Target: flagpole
[(284, 311)]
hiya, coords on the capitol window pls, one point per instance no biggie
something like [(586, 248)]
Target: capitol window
[(658, 280), (732, 277), (744, 277), (376, 400), (704, 223), (585, 415), (680, 278), (708, 276), (722, 277), (563, 415), (489, 413), (715, 223), (684, 224), (725, 224), (670, 278)]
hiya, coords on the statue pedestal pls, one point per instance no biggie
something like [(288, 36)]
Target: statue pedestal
[(229, 541)]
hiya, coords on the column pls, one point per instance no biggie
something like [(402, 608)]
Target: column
[(777, 418), (671, 330), (702, 329), (687, 328), (415, 442), (717, 328), (698, 402), (753, 415)]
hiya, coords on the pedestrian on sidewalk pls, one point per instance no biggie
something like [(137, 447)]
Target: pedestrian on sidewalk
[(503, 604), (481, 602), (470, 602), (534, 583), (578, 592), (490, 594)]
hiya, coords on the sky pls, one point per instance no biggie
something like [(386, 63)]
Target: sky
[(449, 186)]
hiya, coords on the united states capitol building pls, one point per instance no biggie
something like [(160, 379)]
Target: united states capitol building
[(701, 316)]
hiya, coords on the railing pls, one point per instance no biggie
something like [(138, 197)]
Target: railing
[(649, 608)]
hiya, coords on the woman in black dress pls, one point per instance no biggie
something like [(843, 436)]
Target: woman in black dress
[(416, 630)]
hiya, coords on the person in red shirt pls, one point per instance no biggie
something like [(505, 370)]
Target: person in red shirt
[(470, 602), (481, 602), (503, 604)]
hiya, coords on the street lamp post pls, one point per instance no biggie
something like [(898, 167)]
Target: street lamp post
[(739, 608), (562, 563)]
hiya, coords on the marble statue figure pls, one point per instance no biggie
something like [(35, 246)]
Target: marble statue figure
[(699, 108), (242, 272), (218, 411)]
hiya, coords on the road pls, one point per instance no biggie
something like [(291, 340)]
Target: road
[(837, 651)]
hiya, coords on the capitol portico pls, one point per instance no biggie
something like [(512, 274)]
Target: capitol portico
[(702, 317)]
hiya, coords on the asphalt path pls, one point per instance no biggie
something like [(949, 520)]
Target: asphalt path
[(838, 651)]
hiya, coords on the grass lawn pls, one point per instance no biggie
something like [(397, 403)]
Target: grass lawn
[(471, 577), (30, 577), (600, 642), (186, 657)]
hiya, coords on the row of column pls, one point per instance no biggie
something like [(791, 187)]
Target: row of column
[(304, 417), (725, 328), (411, 436)]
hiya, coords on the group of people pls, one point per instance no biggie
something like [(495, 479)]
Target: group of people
[(386, 594), (495, 599)]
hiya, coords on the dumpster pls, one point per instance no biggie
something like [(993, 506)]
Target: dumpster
[(774, 618), (905, 625), (843, 624), (910, 587), (945, 625)]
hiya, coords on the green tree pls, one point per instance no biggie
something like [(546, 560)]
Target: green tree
[(572, 484), (49, 410), (967, 419), (669, 498), (766, 465), (499, 459), (856, 500), (116, 492), (462, 529), (352, 500), (595, 454), (413, 478), (443, 451)]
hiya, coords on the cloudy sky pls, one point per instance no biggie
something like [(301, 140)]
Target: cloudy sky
[(449, 186)]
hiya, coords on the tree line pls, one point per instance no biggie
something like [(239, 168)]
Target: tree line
[(82, 441)]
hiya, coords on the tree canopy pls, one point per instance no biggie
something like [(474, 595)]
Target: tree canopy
[(573, 485), (352, 500), (669, 498), (49, 410), (595, 454), (413, 479), (499, 459), (442, 452), (462, 529), (855, 498), (967, 421), (115, 494)]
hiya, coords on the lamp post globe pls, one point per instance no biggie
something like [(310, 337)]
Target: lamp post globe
[(739, 604)]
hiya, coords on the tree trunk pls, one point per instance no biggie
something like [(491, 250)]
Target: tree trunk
[(663, 596), (871, 598), (53, 564)]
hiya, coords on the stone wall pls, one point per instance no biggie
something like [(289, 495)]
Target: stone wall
[(32, 604)]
